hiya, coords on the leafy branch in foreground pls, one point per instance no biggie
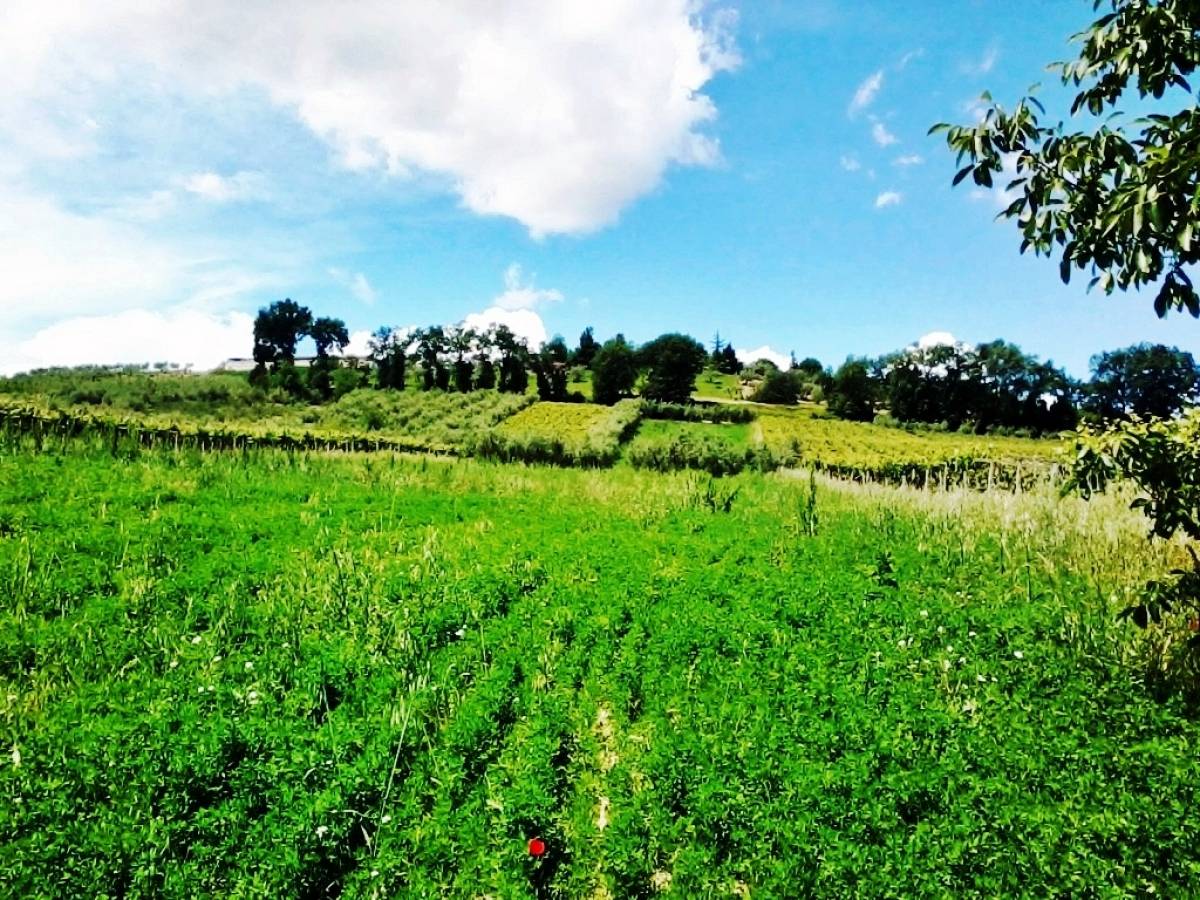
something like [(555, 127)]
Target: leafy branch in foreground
[(1161, 457), (1124, 203)]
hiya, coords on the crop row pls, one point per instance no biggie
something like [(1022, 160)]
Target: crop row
[(517, 429), (562, 434), (45, 426)]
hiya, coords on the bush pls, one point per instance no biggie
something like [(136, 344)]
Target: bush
[(697, 412), (687, 451)]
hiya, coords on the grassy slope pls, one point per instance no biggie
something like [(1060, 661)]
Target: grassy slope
[(277, 676)]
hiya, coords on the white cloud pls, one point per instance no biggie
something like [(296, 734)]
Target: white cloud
[(748, 357), (559, 115), (909, 57), (866, 93), (357, 284), (881, 135), (179, 335), (57, 262), (225, 189), (936, 339), (850, 163), (516, 307), (359, 344), (519, 294), (912, 159), (524, 323), (985, 63), (888, 198)]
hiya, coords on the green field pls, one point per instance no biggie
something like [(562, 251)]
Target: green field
[(276, 674)]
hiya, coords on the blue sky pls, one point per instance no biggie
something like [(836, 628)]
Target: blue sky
[(759, 169)]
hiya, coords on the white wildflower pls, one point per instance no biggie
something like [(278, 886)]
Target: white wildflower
[(322, 831), (249, 666), (1018, 654), (196, 639)]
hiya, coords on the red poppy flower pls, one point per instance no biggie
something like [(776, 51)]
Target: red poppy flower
[(536, 846)]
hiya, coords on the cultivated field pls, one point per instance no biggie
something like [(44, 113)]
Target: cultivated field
[(272, 674)]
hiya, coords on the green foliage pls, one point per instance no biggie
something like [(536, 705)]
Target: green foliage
[(277, 328), (564, 434), (587, 349), (1123, 205), (672, 361), (389, 352), (614, 371), (702, 448), (288, 674), (851, 393), (990, 386), (1162, 459), (1143, 380), (697, 412), (778, 387)]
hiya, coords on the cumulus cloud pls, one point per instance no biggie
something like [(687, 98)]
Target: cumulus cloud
[(360, 344), (936, 339), (748, 357), (524, 323), (850, 163), (521, 294), (558, 115), (867, 91), (225, 188), (516, 307), (888, 198), (881, 135), (911, 159), (185, 336)]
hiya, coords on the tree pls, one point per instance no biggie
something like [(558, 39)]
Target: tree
[(550, 368), (277, 329), (778, 387), (388, 348), (729, 364), (327, 334), (1122, 204), (514, 376), (587, 349), (1144, 380), (461, 342), (851, 393), (673, 361), (614, 371), (431, 350)]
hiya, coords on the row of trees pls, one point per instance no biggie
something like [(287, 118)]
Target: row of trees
[(997, 385), (988, 386), (457, 358)]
